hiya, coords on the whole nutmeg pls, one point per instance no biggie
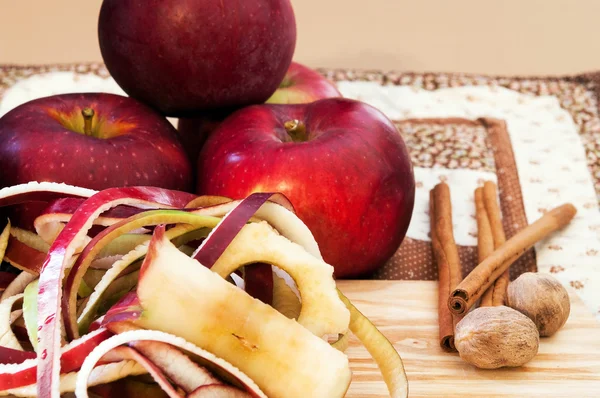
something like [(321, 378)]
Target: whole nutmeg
[(495, 337), (542, 298)]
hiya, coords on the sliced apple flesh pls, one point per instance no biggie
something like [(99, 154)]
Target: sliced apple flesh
[(322, 311), (181, 297)]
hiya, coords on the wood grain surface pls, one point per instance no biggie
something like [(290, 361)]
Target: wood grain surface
[(567, 365)]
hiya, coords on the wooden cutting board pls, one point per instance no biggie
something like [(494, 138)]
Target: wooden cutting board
[(567, 364)]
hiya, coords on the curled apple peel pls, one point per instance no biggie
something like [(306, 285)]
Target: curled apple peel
[(95, 246), (117, 268), (18, 285), (4, 236), (7, 337), (285, 300), (387, 358), (260, 229), (137, 336)]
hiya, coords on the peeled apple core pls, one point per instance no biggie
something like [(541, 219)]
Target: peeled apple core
[(242, 333), (322, 311)]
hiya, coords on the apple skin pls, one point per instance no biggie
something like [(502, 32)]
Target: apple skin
[(193, 132), (302, 85), (351, 181), (186, 56), (140, 147)]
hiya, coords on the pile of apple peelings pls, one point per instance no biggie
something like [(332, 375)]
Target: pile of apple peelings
[(143, 291)]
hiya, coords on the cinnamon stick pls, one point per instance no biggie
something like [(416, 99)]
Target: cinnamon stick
[(496, 294), (482, 277), (445, 254), (485, 240)]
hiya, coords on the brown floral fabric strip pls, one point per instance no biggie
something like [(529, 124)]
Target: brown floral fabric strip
[(483, 145)]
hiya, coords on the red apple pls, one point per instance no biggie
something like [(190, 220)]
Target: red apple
[(302, 85), (342, 164), (126, 144), (194, 131), (299, 86), (185, 56)]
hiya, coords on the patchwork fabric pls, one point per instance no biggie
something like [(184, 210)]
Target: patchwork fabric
[(451, 144)]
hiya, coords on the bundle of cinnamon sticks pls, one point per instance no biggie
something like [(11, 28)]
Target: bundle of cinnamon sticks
[(488, 282)]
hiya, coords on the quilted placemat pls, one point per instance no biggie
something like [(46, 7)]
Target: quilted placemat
[(462, 153), (537, 137)]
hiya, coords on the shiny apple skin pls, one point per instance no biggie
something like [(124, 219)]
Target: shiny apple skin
[(193, 132), (351, 181), (302, 85), (144, 149), (185, 56)]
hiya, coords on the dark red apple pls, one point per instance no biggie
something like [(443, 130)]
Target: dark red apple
[(124, 143), (302, 85), (341, 162), (185, 56), (193, 131)]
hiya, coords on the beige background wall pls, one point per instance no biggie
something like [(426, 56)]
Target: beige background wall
[(486, 36)]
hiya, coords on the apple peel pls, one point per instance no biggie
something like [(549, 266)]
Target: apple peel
[(258, 281), (217, 391), (23, 257), (285, 299), (207, 201), (154, 371), (187, 374), (7, 337), (17, 286), (268, 207), (30, 311), (95, 246), (6, 278), (41, 192), (59, 212), (29, 238), (26, 250), (117, 269), (342, 343), (381, 349), (219, 239), (156, 336), (9, 356), (59, 256), (4, 236), (22, 374), (123, 245), (101, 374)]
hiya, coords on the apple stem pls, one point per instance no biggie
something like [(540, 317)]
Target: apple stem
[(88, 118), (296, 129)]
